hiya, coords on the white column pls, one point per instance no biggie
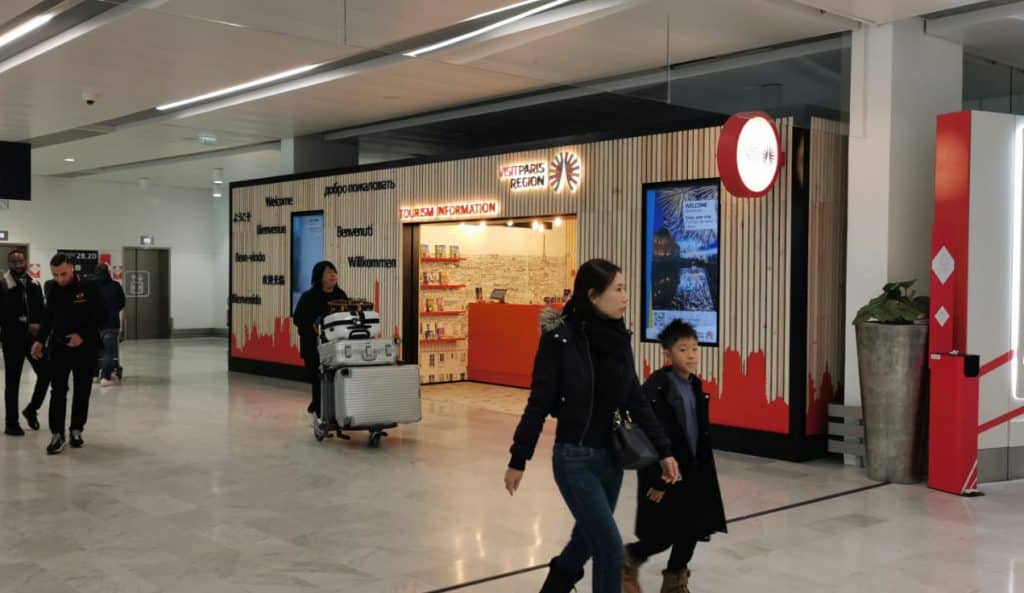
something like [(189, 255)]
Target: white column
[(901, 80)]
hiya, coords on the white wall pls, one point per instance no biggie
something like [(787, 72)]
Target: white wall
[(104, 216), (901, 81)]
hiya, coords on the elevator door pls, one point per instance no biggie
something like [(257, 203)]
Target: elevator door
[(147, 288), (5, 250)]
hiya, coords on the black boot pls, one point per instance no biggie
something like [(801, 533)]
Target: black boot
[(558, 581)]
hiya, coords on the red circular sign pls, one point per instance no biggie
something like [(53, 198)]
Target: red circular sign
[(750, 154)]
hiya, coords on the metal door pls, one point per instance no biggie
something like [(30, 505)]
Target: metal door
[(147, 289)]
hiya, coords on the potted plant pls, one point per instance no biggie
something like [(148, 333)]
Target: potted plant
[(892, 348)]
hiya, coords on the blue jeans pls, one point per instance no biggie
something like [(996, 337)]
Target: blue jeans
[(590, 481), (109, 360)]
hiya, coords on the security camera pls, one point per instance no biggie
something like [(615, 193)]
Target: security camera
[(89, 97)]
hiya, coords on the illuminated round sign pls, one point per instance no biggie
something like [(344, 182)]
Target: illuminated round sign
[(750, 154)]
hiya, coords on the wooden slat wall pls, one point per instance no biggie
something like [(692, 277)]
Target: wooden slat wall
[(247, 277), (572, 250), (827, 257), (755, 236)]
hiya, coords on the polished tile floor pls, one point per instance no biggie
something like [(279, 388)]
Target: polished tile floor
[(197, 481)]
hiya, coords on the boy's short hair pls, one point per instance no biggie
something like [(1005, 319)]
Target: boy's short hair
[(59, 260), (675, 331)]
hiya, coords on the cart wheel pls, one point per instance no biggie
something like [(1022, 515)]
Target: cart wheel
[(375, 440)]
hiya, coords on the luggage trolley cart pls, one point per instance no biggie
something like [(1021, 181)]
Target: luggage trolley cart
[(362, 385)]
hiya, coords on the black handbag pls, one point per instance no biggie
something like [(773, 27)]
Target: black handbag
[(631, 447)]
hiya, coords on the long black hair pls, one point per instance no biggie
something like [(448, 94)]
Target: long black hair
[(318, 272), (597, 275)]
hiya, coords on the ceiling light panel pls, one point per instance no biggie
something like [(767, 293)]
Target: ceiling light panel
[(239, 87)]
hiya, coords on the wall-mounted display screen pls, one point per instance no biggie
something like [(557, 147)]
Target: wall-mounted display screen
[(681, 257), (307, 250)]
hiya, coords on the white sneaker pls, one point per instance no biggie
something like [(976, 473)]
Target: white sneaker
[(107, 383)]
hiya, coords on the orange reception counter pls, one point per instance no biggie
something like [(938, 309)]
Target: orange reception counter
[(502, 343)]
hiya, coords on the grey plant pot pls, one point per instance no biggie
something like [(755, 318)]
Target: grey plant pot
[(892, 361)]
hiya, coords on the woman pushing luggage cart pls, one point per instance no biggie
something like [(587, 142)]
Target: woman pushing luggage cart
[(362, 385)]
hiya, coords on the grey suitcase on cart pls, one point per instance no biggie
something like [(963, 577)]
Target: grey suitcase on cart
[(371, 396), (347, 353)]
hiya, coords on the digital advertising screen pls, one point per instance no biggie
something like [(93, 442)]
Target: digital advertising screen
[(681, 257), (307, 250)]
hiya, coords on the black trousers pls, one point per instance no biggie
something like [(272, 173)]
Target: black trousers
[(16, 351), (312, 360), (65, 364), (682, 552)]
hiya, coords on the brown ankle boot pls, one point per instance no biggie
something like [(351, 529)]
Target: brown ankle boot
[(630, 573), (675, 581)]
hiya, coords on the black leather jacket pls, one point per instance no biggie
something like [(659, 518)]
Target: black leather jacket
[(563, 387), (20, 305)]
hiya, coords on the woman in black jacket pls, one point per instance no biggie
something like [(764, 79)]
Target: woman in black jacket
[(310, 310), (679, 515), (583, 373)]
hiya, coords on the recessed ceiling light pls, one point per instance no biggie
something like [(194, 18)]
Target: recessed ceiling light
[(238, 87), (25, 28), (218, 176), (69, 159), (217, 194)]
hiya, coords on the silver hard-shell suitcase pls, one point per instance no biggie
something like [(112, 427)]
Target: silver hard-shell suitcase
[(372, 396), (341, 353)]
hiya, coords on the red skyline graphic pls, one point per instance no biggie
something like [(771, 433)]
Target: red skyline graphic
[(277, 347), (743, 401), (741, 398), (817, 403)]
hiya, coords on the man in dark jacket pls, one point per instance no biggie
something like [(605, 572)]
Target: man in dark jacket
[(70, 334), (110, 327), (679, 515), (22, 310)]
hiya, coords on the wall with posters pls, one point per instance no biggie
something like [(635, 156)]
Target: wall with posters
[(763, 374), (83, 215)]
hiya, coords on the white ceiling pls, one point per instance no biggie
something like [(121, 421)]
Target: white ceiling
[(884, 11), (184, 48), (198, 173), (12, 8), (996, 32)]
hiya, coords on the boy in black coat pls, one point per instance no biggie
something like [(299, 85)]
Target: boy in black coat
[(677, 516)]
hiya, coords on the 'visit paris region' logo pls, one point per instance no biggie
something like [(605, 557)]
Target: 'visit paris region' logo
[(565, 172)]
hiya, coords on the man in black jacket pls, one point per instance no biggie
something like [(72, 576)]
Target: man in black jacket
[(22, 310), (110, 328), (70, 334)]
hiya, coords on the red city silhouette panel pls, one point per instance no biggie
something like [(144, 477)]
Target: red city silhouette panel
[(740, 398), (743, 401), (817, 403), (276, 347)]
